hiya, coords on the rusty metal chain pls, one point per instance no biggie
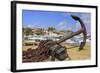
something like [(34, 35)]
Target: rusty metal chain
[(36, 55)]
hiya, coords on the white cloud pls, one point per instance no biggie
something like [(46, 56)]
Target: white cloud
[(62, 25), (29, 25)]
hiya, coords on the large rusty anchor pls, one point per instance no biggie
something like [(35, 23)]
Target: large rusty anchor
[(82, 30), (53, 49)]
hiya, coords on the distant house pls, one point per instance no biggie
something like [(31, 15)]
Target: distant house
[(38, 30)]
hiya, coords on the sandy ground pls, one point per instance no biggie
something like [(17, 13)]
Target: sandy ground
[(79, 55)]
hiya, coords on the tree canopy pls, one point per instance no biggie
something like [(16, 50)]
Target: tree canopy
[(51, 29)]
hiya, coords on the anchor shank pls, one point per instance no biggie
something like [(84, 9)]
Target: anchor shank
[(70, 36)]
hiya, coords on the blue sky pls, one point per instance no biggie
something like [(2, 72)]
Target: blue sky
[(58, 20)]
